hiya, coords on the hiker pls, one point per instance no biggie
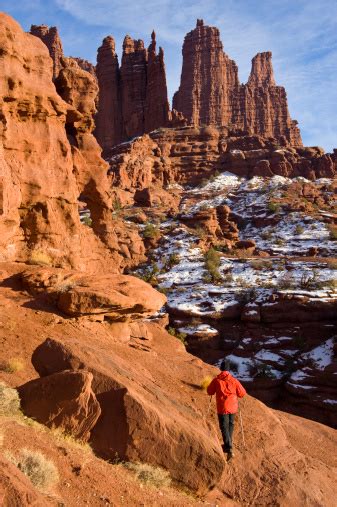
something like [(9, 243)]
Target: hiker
[(227, 390)]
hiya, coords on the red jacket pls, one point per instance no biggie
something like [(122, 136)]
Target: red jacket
[(227, 390)]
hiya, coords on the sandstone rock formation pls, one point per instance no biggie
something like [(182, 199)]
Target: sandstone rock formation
[(139, 420), (52, 40), (115, 297), (187, 155), (210, 92), (132, 97), (64, 400), (40, 218)]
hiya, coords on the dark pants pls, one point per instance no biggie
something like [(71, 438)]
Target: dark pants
[(226, 423)]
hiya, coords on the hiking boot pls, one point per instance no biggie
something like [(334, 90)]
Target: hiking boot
[(230, 454)]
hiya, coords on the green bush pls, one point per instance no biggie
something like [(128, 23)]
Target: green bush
[(150, 231), (333, 232), (212, 260), (180, 336), (273, 207)]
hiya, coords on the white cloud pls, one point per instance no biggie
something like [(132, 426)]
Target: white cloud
[(302, 36)]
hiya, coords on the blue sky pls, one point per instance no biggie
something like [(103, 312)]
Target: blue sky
[(302, 34)]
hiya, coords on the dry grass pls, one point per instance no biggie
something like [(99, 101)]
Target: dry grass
[(150, 475), (40, 258), (205, 382), (333, 232), (12, 365), (40, 470), (9, 401)]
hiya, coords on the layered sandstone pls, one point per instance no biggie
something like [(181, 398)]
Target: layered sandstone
[(209, 79), (52, 40), (133, 96), (188, 155), (210, 92), (44, 134)]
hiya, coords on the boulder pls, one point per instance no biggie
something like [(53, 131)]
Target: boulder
[(116, 297), (141, 420), (64, 400)]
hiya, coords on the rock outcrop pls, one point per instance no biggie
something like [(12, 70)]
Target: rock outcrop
[(210, 92), (114, 297), (140, 419), (132, 97), (44, 134), (64, 400), (52, 40), (187, 155)]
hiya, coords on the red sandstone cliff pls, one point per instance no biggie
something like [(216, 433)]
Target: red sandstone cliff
[(109, 116), (210, 92), (51, 38), (132, 97), (39, 219)]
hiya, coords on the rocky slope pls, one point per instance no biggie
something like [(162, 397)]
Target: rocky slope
[(249, 269), (146, 388), (210, 92), (245, 265)]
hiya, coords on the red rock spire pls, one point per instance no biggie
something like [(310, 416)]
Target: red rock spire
[(109, 116), (51, 39), (210, 92)]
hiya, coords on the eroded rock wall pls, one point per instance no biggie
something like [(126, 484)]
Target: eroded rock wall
[(210, 92), (50, 160)]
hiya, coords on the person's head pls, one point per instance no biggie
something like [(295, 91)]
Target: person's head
[(225, 365)]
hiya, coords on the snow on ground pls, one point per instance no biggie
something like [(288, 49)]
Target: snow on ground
[(189, 294)]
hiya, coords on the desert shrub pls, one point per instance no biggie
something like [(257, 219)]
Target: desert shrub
[(66, 286), (180, 336), (286, 282), (228, 278), (267, 234), (261, 265), (333, 232), (150, 475), (12, 365), (86, 220), (117, 205), (150, 231), (212, 264), (149, 275), (246, 296), (331, 283), (299, 229), (41, 471), (40, 258), (173, 260), (273, 207), (199, 232), (311, 281), (9, 400), (279, 241)]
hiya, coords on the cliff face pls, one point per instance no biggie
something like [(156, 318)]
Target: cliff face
[(210, 92), (209, 79), (51, 38), (42, 134), (132, 97)]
